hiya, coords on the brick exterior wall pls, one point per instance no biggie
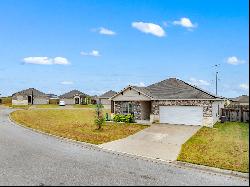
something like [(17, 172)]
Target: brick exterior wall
[(136, 108), (206, 104)]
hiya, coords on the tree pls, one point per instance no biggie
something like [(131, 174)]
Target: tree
[(99, 119)]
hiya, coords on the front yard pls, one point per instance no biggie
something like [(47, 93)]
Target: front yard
[(225, 146), (74, 124)]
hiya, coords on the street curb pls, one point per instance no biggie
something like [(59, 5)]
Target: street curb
[(212, 169), (177, 164)]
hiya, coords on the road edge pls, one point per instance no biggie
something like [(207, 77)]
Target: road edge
[(178, 164)]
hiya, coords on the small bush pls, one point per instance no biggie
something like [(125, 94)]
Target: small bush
[(129, 118), (99, 119), (6, 100), (99, 122)]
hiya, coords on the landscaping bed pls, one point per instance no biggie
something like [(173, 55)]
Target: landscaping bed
[(225, 146), (74, 124)]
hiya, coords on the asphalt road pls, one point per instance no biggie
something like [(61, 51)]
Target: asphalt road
[(30, 158)]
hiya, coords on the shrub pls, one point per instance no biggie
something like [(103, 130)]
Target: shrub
[(129, 118), (6, 100), (99, 122), (116, 118)]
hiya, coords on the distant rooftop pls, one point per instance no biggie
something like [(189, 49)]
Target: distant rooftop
[(108, 94)]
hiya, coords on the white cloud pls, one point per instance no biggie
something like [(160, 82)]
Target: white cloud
[(199, 82), (106, 31), (140, 84), (185, 22), (92, 53), (244, 86), (234, 60), (61, 61), (149, 28), (66, 82), (46, 60), (37, 60)]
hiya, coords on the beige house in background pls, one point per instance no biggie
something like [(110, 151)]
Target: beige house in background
[(241, 100), (169, 101), (30, 96), (104, 99), (74, 97)]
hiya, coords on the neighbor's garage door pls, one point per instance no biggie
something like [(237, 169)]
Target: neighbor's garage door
[(187, 115)]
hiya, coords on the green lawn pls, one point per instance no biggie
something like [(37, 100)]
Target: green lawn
[(225, 146), (74, 124)]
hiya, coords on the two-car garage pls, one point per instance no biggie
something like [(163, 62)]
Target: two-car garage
[(186, 115)]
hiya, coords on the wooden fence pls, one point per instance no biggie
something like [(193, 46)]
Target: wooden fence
[(239, 113)]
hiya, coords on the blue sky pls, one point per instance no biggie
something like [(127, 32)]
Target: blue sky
[(97, 45)]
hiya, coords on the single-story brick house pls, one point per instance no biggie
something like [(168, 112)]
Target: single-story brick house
[(241, 100), (75, 97), (104, 99), (169, 101), (30, 96)]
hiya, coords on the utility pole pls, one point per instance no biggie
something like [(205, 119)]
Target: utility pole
[(216, 83), (216, 79)]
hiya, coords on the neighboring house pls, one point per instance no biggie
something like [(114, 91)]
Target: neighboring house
[(74, 97), (30, 96), (241, 100), (53, 99), (169, 101), (104, 99)]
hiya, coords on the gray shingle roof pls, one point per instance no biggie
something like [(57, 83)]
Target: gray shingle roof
[(144, 90), (241, 99), (108, 94), (72, 93), (29, 91), (173, 88)]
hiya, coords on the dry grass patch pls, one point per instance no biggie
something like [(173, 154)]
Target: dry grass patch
[(84, 106), (20, 106), (74, 124), (47, 106), (225, 146)]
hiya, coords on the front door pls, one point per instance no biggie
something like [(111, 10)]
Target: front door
[(77, 100), (29, 99)]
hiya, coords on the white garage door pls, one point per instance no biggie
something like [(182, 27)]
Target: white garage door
[(187, 115)]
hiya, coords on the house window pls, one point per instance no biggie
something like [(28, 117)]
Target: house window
[(127, 108)]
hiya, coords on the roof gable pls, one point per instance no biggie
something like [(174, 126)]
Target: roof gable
[(130, 94), (30, 91), (72, 93)]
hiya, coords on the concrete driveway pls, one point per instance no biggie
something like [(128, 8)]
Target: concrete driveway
[(158, 141)]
